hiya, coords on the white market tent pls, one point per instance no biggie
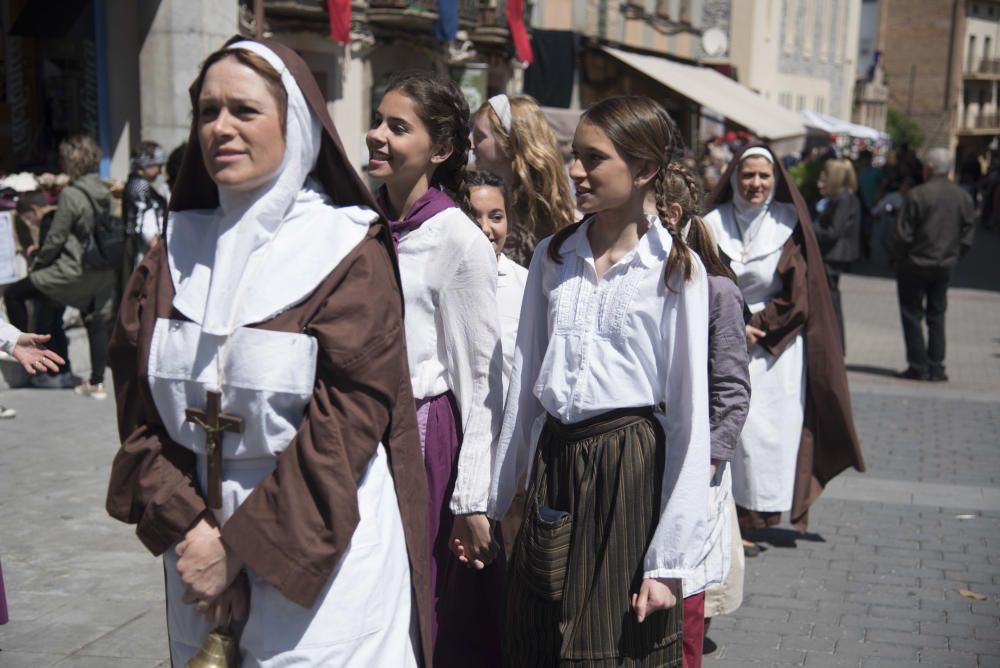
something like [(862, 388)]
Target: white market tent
[(737, 103), (836, 126)]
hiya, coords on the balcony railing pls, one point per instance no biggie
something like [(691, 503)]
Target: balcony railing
[(989, 66), (468, 10), (984, 121)]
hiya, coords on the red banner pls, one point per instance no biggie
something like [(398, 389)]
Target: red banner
[(518, 32), (340, 20)]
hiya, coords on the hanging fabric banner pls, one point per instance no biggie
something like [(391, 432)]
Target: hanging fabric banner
[(518, 31), (340, 20), (446, 26)]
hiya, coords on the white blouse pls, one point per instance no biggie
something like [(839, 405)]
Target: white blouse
[(9, 334), (587, 346), (511, 279), (449, 274)]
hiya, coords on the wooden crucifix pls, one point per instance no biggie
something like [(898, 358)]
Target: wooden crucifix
[(215, 423)]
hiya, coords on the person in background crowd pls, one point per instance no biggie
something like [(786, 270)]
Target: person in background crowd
[(418, 146), (869, 191), (709, 175), (885, 213), (608, 407), (935, 228), (838, 229), (512, 139), (35, 208), (143, 208), (58, 272), (719, 573), (484, 199), (799, 433)]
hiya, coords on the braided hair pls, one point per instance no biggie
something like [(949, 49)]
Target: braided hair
[(444, 111), (682, 188), (641, 131)]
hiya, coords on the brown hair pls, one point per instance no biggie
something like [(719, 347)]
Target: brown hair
[(840, 177), (682, 188), (32, 198), (540, 189), (642, 131), (255, 62), (480, 178), (80, 155), (444, 111)]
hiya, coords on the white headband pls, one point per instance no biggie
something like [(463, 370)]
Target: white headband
[(501, 107), (757, 151)]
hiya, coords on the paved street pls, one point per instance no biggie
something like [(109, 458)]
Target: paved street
[(875, 583)]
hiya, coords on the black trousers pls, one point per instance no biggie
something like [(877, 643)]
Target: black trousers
[(833, 272), (48, 314), (923, 294)]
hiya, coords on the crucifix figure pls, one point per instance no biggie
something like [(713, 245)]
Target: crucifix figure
[(215, 423)]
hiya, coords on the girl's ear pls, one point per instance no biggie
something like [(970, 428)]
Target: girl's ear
[(441, 153), (647, 172), (674, 213)]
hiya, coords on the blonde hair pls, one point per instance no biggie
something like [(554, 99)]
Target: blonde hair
[(540, 190), (80, 155), (840, 176)]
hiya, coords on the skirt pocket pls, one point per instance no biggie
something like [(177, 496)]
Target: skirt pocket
[(542, 552)]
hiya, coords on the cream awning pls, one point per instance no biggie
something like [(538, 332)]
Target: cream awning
[(722, 95)]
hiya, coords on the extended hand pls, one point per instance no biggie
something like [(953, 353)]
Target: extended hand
[(231, 606), (31, 352), (754, 335), (472, 541), (205, 565), (655, 595)]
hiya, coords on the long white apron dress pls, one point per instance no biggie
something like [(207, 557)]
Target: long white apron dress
[(763, 469), (715, 559), (363, 617)]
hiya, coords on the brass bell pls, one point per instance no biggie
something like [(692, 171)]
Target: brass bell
[(218, 650)]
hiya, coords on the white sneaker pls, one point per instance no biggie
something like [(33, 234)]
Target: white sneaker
[(85, 389), (7, 413)]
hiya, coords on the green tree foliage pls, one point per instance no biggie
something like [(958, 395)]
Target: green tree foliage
[(903, 130)]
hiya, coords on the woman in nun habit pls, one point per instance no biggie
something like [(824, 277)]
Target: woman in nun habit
[(274, 302), (799, 432)]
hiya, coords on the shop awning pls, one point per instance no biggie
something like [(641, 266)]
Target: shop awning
[(837, 126), (705, 86)]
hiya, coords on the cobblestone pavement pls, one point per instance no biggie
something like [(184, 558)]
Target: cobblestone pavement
[(876, 582)]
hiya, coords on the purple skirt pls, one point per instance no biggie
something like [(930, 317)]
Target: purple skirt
[(467, 603), (3, 600)]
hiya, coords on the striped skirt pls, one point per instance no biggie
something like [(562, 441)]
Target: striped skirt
[(592, 508)]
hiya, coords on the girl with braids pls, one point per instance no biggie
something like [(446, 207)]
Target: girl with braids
[(608, 406), (716, 587), (512, 139), (419, 143)]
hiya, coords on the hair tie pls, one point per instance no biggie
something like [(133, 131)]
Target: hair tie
[(500, 104)]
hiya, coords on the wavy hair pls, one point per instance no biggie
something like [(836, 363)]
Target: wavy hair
[(80, 155), (641, 131), (540, 190), (444, 111)]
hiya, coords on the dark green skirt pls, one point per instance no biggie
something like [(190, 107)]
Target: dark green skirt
[(593, 506)]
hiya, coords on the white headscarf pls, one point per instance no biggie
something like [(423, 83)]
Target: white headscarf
[(247, 221), (759, 228)]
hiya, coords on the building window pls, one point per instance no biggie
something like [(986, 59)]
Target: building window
[(785, 100), (987, 46), (791, 18), (800, 103), (809, 29), (820, 104), (970, 56)]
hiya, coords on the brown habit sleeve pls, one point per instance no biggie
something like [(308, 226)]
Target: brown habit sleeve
[(785, 314), (152, 479)]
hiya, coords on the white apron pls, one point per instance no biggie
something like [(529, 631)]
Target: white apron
[(363, 616)]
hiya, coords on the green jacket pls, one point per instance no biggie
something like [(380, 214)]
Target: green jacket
[(58, 269)]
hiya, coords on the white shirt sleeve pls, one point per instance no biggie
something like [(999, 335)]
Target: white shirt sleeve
[(523, 407), (471, 336), (149, 224), (8, 337), (683, 526)]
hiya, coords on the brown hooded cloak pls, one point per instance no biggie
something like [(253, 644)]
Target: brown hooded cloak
[(296, 525), (829, 442)]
